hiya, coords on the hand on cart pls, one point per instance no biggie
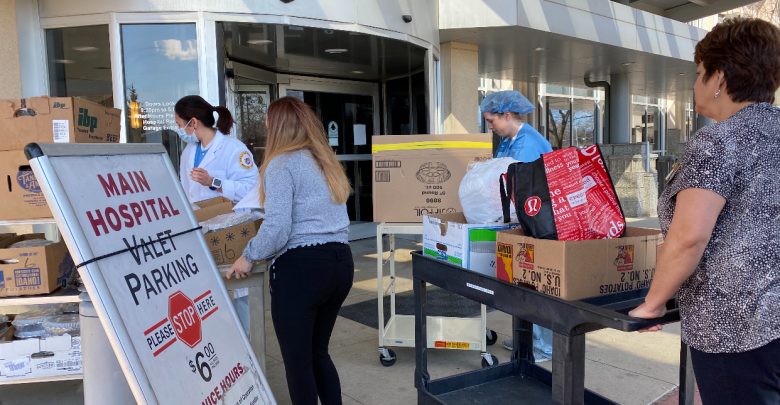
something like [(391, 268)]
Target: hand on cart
[(645, 311), (240, 268)]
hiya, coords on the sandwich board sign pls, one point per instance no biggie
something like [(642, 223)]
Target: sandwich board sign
[(146, 266)]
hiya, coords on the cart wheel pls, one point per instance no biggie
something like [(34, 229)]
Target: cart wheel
[(388, 358), (492, 337), (489, 363)]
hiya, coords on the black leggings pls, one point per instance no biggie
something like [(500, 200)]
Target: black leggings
[(751, 377), (308, 286)]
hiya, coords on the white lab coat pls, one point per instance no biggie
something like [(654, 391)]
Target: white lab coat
[(227, 159)]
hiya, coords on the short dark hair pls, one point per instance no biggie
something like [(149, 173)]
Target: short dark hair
[(747, 51)]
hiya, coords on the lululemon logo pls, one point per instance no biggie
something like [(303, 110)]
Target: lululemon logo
[(532, 205)]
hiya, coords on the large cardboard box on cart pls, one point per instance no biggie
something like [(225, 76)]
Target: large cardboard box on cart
[(33, 270), (56, 120), (415, 175), (227, 244), (578, 269), (450, 238), (20, 195)]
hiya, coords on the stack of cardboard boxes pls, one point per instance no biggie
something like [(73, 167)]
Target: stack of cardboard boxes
[(39, 270), (44, 120), (35, 270), (416, 179)]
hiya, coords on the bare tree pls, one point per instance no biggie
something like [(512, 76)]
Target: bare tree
[(557, 131)]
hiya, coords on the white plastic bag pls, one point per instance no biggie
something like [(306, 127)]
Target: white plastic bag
[(479, 191)]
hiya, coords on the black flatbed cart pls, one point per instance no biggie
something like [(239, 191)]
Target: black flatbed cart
[(520, 380)]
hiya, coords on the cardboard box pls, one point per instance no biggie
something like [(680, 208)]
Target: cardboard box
[(33, 270), (56, 120), (578, 269), (225, 245), (212, 207), (35, 358), (416, 175), (20, 194), (472, 246)]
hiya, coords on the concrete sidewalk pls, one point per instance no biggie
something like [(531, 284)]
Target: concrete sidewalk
[(629, 368)]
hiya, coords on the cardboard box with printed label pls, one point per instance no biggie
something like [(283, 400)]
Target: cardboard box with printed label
[(33, 270), (56, 120), (20, 194), (34, 358), (416, 175), (472, 246), (227, 244), (578, 269)]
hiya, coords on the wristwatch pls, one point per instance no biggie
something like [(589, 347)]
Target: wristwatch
[(215, 184)]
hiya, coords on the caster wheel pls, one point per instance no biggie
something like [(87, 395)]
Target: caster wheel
[(491, 337), (388, 361), (493, 361)]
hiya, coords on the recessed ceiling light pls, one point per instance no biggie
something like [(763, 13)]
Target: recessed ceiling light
[(534, 76), (627, 63), (336, 50), (258, 41), (539, 49), (64, 61), (85, 48), (681, 74), (358, 72)]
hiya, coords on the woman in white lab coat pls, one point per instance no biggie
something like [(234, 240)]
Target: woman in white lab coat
[(213, 164)]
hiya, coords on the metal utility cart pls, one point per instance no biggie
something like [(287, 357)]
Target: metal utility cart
[(520, 380), (444, 332)]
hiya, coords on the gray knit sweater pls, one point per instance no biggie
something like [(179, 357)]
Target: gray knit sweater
[(299, 210)]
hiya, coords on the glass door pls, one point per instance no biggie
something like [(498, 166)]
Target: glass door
[(350, 119)]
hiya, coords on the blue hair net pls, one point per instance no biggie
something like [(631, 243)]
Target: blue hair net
[(507, 100)]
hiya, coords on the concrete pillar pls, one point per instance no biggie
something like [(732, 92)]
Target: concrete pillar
[(459, 84), (620, 109), (10, 79)]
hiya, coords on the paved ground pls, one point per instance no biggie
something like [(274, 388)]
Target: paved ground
[(629, 368)]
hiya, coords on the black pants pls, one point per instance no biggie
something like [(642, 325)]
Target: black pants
[(751, 377), (308, 286)]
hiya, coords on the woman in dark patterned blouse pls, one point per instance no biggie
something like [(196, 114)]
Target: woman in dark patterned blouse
[(720, 214)]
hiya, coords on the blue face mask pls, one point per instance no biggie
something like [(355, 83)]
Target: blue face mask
[(184, 136)]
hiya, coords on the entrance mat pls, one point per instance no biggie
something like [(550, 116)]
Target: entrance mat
[(440, 303)]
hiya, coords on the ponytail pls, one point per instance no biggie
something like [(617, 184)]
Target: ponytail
[(225, 120)]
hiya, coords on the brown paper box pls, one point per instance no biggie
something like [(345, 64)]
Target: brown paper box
[(212, 207), (20, 194), (33, 270), (56, 120), (416, 175), (226, 245), (578, 269)]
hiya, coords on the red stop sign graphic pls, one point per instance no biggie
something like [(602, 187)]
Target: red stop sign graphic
[(184, 318)]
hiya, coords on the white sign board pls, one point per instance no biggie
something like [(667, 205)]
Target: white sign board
[(157, 290)]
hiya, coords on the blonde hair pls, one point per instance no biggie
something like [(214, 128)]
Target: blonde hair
[(292, 125)]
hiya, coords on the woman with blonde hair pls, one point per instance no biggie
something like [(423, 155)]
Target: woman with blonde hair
[(304, 191)]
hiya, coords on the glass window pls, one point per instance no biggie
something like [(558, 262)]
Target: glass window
[(79, 60), (161, 66), (558, 121), (584, 123)]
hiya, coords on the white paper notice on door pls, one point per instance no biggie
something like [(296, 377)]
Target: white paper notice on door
[(359, 131)]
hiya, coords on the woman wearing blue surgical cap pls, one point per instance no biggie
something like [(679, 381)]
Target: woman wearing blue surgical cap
[(502, 111)]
